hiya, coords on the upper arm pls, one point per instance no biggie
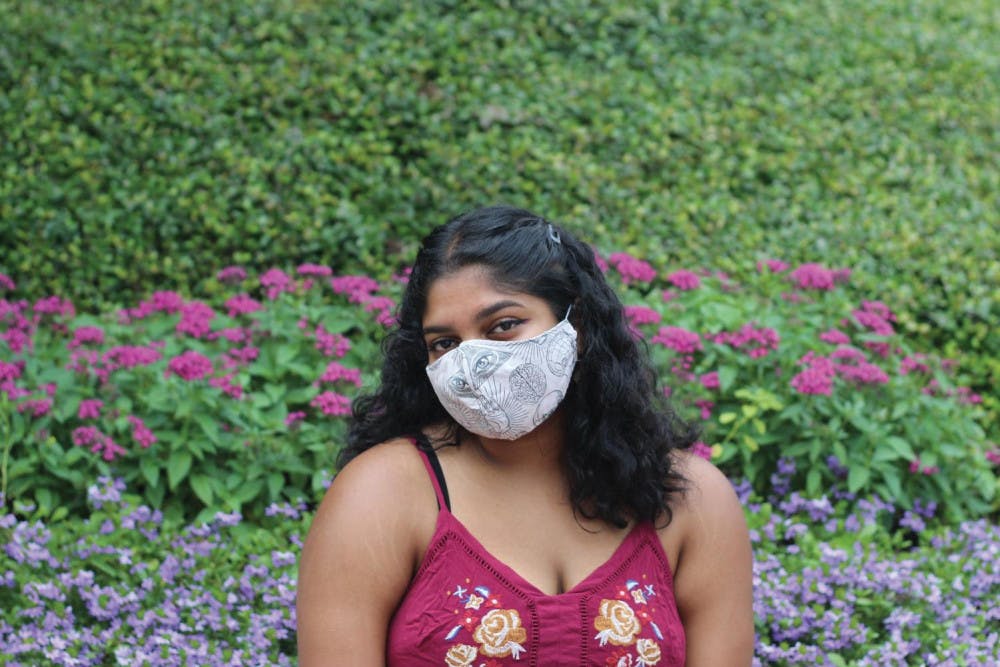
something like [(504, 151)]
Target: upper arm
[(359, 556), (713, 583)]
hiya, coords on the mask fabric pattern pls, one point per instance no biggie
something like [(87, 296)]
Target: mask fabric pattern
[(504, 389)]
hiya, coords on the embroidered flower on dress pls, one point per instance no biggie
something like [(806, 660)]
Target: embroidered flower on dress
[(474, 602), (500, 634), (648, 651), (616, 623), (461, 655)]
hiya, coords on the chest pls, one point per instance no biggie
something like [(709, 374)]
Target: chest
[(467, 607)]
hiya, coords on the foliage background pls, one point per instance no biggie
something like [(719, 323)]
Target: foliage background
[(141, 147)]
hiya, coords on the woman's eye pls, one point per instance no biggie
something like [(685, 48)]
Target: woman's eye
[(506, 325), (441, 345)]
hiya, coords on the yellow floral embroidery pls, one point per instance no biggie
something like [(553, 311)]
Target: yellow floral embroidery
[(638, 596), (616, 623), (648, 651), (500, 634), (461, 655), (474, 602)]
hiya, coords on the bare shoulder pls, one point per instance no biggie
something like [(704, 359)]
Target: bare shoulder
[(713, 578), (709, 495), (362, 549)]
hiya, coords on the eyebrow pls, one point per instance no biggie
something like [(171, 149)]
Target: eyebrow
[(481, 315)]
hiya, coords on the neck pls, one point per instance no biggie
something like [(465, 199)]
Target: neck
[(539, 451)]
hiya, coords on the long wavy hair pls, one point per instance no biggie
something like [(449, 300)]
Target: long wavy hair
[(619, 429)]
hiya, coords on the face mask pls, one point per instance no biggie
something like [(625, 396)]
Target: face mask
[(504, 389)]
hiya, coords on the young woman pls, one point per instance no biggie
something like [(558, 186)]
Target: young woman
[(514, 493)]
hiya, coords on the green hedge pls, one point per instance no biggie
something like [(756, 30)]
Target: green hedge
[(145, 146)]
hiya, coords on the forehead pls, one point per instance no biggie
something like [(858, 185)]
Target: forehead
[(462, 293)]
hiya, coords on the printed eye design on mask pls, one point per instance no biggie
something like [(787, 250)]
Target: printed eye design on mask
[(458, 385), (483, 362)]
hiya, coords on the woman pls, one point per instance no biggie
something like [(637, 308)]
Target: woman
[(512, 493)]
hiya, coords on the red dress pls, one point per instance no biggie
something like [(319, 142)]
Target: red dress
[(466, 608)]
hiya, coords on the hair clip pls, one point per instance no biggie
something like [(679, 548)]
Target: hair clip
[(554, 235)]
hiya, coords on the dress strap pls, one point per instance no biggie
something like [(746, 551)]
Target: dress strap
[(436, 474)]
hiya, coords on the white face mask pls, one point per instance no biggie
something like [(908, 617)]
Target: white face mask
[(504, 389)]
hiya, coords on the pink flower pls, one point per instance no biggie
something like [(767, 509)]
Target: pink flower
[(242, 356), (196, 319), (384, 305), (86, 336), (812, 276), (993, 456), (916, 363), (90, 408), (332, 403), (313, 270), (130, 356), (710, 380), (835, 336), (701, 449), (631, 268), (641, 315), (816, 378), (98, 442), (331, 345), (706, 408), (873, 322), (242, 304), (357, 288), (276, 281), (772, 265), (190, 366), (335, 372), (669, 295), (684, 280), (228, 385), (404, 276), (231, 274), (6, 282), (53, 305), (38, 407), (140, 432), (294, 417), (756, 343), (166, 302), (17, 340), (678, 339), (10, 370)]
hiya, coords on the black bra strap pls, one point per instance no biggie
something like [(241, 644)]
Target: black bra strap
[(438, 473)]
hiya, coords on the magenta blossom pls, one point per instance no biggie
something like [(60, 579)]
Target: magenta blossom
[(140, 432), (190, 366), (710, 380), (86, 336), (53, 305), (231, 274), (600, 261), (684, 280), (816, 378), (835, 337), (357, 288), (331, 344), (701, 449), (916, 363), (228, 385), (335, 372), (90, 408), (631, 268), (242, 304), (38, 407), (756, 343), (678, 339), (276, 281), (333, 404), (196, 319), (294, 417), (10, 370), (641, 315), (812, 276), (130, 356), (772, 265), (6, 282)]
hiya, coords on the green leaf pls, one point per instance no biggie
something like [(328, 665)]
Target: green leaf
[(150, 469), (275, 482), (727, 375), (177, 468), (247, 491), (901, 447), (857, 477), (727, 417), (202, 487), (814, 482), (209, 426)]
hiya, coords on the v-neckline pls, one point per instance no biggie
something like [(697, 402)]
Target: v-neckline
[(599, 575)]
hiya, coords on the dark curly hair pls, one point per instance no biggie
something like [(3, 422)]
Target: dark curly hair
[(619, 429)]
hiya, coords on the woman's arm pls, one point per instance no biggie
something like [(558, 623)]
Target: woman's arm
[(713, 582), (362, 549)]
